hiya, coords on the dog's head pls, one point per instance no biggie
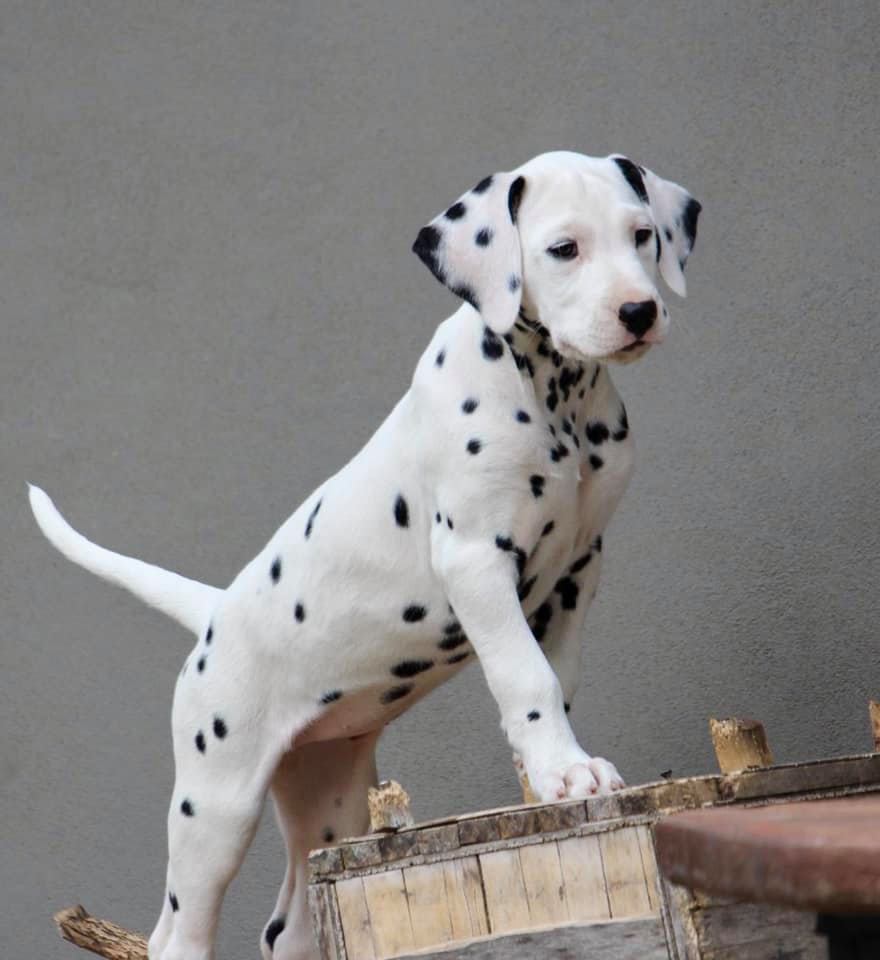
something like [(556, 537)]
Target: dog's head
[(574, 242)]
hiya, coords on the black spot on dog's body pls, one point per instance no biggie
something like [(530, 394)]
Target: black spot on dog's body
[(175, 905), (559, 452), (328, 835), (689, 220), (581, 562), (299, 613), (537, 484), (566, 425), (409, 668), (200, 664), (533, 715), (331, 696), (483, 237), (414, 612), (596, 462), (456, 211), (633, 177), (449, 523), (401, 511), (597, 543), (467, 294), (525, 588), (659, 248), (513, 283), (453, 626), (311, 521), (474, 446), (200, 742), (220, 728), (275, 570), (437, 518), (483, 185), (568, 592), (566, 707), (597, 433), (492, 345), (453, 641), (209, 636), (595, 376), (441, 356), (668, 233), (504, 543), (458, 657), (514, 197), (470, 405), (523, 417), (539, 631), (272, 931), (622, 427), (548, 528), (397, 693), (187, 809)]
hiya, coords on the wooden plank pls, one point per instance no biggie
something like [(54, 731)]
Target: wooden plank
[(506, 901), (860, 771), (428, 907), (325, 921), (649, 866), (464, 898), (355, 918), (747, 931), (624, 875), (545, 888), (584, 878), (385, 894), (613, 940), (740, 744)]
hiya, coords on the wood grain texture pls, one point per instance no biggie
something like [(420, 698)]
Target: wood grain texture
[(746, 931), (464, 898), (584, 876), (545, 887), (740, 744), (103, 937), (355, 917), (507, 903), (387, 903), (428, 905), (624, 874)]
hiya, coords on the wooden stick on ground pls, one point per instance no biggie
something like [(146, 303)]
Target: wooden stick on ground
[(739, 744), (103, 937)]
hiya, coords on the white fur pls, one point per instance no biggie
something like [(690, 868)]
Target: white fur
[(346, 617)]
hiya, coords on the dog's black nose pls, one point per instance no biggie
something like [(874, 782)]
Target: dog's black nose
[(639, 317)]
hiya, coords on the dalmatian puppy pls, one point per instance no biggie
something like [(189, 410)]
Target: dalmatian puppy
[(468, 528)]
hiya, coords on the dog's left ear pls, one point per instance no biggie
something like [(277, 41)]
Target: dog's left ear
[(675, 213), (473, 248)]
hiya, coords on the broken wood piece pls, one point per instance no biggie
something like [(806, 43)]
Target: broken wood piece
[(740, 744), (389, 807), (103, 937), (874, 712)]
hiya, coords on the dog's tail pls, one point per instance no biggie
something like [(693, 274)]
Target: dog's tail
[(187, 601)]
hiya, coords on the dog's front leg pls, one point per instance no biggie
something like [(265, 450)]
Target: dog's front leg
[(480, 581)]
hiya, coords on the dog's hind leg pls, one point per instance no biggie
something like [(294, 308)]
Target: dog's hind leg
[(320, 795), (224, 763)]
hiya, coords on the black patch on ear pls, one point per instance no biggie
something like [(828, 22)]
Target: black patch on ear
[(657, 241), (465, 292), (425, 248), (456, 211), (689, 220), (633, 177), (514, 197), (483, 185)]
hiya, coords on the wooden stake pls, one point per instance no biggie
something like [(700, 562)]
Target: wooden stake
[(103, 937), (874, 712), (739, 744), (389, 807)]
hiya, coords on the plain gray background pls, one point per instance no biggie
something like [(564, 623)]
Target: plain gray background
[(208, 303)]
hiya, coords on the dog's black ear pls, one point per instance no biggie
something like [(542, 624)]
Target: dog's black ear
[(473, 248), (675, 214)]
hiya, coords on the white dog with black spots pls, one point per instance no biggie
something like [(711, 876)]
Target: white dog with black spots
[(469, 527)]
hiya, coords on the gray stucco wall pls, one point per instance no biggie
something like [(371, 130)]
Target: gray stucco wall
[(208, 303)]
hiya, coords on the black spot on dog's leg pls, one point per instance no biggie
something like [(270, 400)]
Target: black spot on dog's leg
[(581, 562), (456, 211), (272, 931), (200, 742), (525, 588), (470, 405), (568, 591), (200, 664), (492, 345), (331, 696), (299, 613), (220, 728), (548, 528), (523, 417), (483, 185), (483, 237), (275, 570), (311, 521), (533, 716), (441, 356), (458, 657), (175, 905), (409, 668), (566, 707), (537, 483), (397, 693), (414, 613), (187, 809), (596, 462), (209, 636), (474, 446), (596, 432)]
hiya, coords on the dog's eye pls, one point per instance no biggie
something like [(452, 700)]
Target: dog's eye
[(565, 250), (643, 236)]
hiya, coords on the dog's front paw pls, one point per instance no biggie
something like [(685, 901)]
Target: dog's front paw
[(586, 777)]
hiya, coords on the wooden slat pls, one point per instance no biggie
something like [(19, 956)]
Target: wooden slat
[(464, 898), (613, 940), (325, 921), (747, 931), (506, 899), (624, 875), (649, 866), (389, 913), (355, 917), (585, 891), (428, 906), (545, 888)]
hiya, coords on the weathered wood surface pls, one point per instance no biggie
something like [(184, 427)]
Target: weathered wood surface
[(389, 807), (103, 937), (612, 940), (874, 714), (752, 931), (739, 744), (822, 855)]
